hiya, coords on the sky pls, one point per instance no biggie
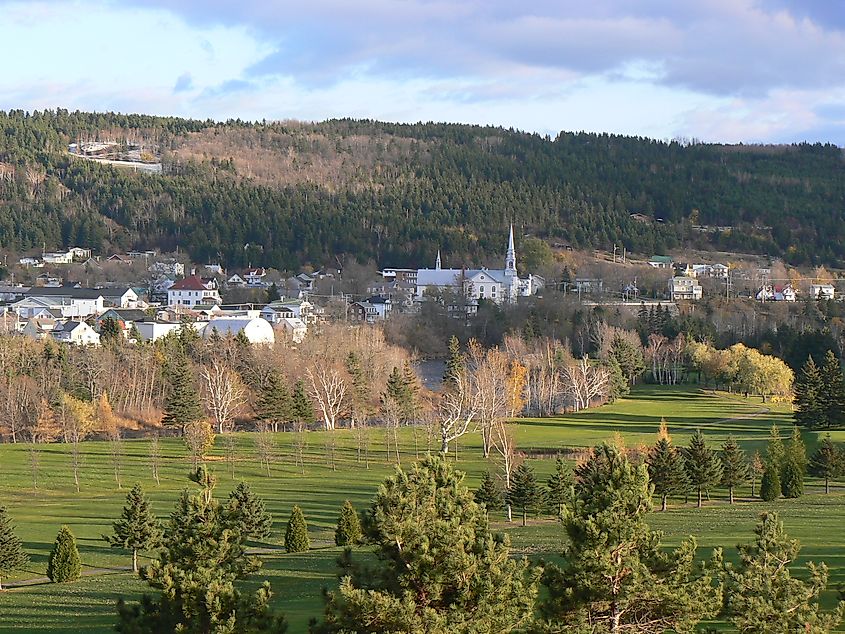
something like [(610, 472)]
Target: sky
[(752, 71)]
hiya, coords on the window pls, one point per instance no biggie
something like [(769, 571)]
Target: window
[(481, 291)]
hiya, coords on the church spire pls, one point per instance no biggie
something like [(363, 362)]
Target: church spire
[(437, 263), (510, 258)]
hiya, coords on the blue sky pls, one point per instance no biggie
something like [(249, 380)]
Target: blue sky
[(715, 70)]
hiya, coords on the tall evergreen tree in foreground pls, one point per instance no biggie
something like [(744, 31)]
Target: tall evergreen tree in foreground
[(182, 404), (704, 469), (64, 563), (12, 554), (296, 534), (809, 397), (274, 402), (616, 577), (525, 492), (302, 409), (770, 483), (762, 597), (488, 493), (203, 558), (794, 466), (138, 528), (348, 531), (666, 470), (439, 569), (559, 487), (832, 392), (455, 363), (827, 462), (734, 466), (247, 512)]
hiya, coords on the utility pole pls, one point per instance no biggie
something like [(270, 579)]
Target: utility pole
[(614, 253)]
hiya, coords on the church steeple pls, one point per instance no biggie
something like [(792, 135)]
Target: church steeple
[(510, 258), (437, 263)]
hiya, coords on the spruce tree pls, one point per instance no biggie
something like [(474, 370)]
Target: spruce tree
[(138, 528), (809, 397), (703, 467), (302, 408), (64, 563), (296, 534), (794, 466), (559, 487), (12, 554), (762, 596), (666, 470), (770, 488), (455, 363), (525, 492), (438, 567), (617, 384), (182, 404), (348, 531), (616, 576), (488, 493), (198, 573), (248, 514), (734, 466), (833, 391), (274, 402), (827, 462)]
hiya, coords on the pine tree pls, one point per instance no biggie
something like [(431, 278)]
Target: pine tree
[(138, 528), (809, 397), (64, 563), (439, 569), (617, 383), (525, 492), (488, 493), (770, 488), (12, 554), (827, 462), (272, 293), (348, 531), (411, 390), (302, 408), (703, 467), (248, 513), (833, 391), (666, 470), (204, 555), (455, 363), (734, 466), (762, 596), (274, 402), (110, 331), (616, 576), (296, 535), (755, 470), (794, 466), (182, 405), (559, 487)]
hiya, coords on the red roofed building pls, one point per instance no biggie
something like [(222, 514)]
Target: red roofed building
[(192, 291)]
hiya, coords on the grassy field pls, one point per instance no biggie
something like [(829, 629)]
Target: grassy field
[(88, 605)]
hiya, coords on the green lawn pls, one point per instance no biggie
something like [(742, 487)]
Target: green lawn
[(88, 605)]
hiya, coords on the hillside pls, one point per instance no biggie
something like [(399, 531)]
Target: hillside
[(289, 193)]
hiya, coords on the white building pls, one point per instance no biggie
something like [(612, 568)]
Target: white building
[(256, 330), (193, 290), (771, 293), (295, 328), (683, 287), (822, 291), (76, 332)]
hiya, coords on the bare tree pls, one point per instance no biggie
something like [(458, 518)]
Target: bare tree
[(458, 409), (265, 447), (199, 439), (76, 420), (504, 446), (300, 444), (223, 393), (584, 383), (328, 387), (490, 371), (230, 446), (154, 457)]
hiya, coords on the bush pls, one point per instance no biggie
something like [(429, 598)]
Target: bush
[(348, 531), (296, 535), (770, 484), (64, 563)]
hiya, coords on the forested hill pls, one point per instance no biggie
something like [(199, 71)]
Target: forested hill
[(284, 194)]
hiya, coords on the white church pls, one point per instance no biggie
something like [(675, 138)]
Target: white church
[(497, 285)]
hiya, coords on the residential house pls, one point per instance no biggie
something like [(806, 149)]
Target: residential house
[(57, 257), (382, 305), (294, 328), (76, 332), (589, 285), (769, 293), (167, 267), (683, 287), (822, 291), (156, 329), (39, 327), (193, 290), (31, 262), (660, 262), (362, 313), (275, 312)]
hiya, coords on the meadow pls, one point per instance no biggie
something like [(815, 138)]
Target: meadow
[(88, 605)]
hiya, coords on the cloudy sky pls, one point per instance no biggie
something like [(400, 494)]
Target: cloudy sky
[(716, 70)]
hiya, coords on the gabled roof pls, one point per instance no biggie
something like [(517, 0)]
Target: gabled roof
[(190, 283)]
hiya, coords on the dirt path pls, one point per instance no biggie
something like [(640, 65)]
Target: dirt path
[(90, 572)]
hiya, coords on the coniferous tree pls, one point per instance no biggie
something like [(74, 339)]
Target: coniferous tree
[(110, 331), (296, 534), (794, 466), (770, 487), (138, 528), (616, 577), (488, 493), (703, 467), (455, 363), (348, 531), (559, 487), (809, 397), (525, 492), (204, 555), (618, 385), (248, 513), (827, 462), (182, 405), (64, 563), (439, 568), (12, 554), (666, 470), (302, 408), (762, 596), (734, 466), (274, 402), (833, 391), (273, 293)]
